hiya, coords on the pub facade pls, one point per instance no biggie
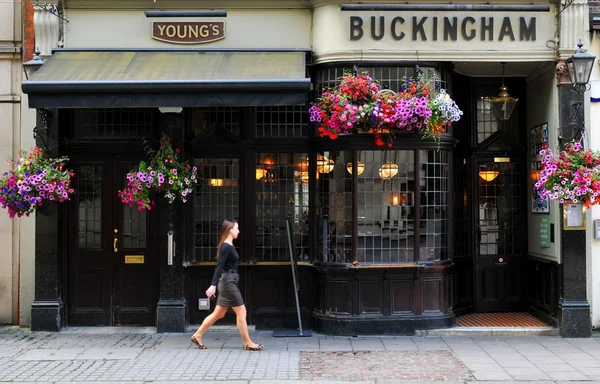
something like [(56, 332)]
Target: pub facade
[(387, 240)]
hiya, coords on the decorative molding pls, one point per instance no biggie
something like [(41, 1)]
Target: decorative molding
[(46, 26), (468, 56), (562, 73), (574, 22), (187, 4)]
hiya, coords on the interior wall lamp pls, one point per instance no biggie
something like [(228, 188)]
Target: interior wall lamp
[(503, 104)]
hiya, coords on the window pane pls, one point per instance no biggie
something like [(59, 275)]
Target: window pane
[(281, 193), (434, 223), (386, 207), (88, 184), (217, 198), (282, 121), (334, 207)]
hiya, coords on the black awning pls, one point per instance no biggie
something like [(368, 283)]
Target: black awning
[(110, 79)]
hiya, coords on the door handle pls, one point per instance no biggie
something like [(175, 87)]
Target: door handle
[(115, 241)]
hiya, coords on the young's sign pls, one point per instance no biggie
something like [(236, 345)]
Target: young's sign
[(188, 32)]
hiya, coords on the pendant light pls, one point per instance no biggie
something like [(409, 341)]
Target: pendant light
[(388, 170), (360, 167), (503, 104), (324, 164)]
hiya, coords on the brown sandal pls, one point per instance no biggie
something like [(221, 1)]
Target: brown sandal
[(200, 346), (249, 348)]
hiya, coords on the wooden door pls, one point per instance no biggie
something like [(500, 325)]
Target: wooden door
[(500, 236), (111, 263)]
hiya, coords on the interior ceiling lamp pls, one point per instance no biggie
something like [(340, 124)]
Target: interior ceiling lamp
[(580, 67), (324, 164), (488, 174), (260, 173), (535, 175), (360, 167), (388, 170), (302, 165), (503, 104)]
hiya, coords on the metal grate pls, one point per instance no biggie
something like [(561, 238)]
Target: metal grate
[(217, 198), (282, 121), (281, 192), (434, 215), (227, 118), (500, 216), (386, 213), (88, 184), (109, 123)]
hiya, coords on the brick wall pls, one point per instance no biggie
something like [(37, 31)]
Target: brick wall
[(29, 35)]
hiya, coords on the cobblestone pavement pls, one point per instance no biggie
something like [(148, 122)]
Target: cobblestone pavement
[(122, 355)]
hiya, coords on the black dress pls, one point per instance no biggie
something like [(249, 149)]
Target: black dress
[(226, 278)]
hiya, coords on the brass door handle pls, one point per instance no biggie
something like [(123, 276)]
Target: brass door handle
[(115, 245)]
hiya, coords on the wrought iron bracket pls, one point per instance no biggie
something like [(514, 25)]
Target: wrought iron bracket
[(42, 131)]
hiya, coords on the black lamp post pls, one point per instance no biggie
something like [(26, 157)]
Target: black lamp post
[(580, 67), (574, 315), (33, 65)]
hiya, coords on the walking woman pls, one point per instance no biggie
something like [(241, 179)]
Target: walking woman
[(225, 281)]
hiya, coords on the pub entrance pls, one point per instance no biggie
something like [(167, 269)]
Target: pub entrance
[(491, 249), (112, 269)]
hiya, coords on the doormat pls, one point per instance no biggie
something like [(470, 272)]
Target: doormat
[(393, 365), (501, 319)]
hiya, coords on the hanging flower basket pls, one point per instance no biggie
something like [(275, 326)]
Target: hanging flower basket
[(164, 174), (359, 105), (573, 175), (33, 180)]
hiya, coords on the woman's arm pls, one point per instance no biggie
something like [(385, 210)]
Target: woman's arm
[(223, 255)]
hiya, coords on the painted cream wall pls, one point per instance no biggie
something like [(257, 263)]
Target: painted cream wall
[(243, 29), (331, 39), (10, 96), (26, 241), (542, 107), (593, 135)]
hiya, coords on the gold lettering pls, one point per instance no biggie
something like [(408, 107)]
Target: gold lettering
[(215, 29), (182, 31), (161, 29), (204, 31), (193, 30), (170, 31)]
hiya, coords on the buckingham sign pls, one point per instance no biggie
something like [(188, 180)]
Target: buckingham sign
[(188, 32), (434, 28)]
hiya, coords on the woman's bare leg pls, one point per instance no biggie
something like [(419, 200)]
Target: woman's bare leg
[(240, 313), (209, 320)]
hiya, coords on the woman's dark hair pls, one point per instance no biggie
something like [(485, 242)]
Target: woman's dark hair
[(225, 228)]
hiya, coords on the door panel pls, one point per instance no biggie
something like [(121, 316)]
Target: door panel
[(134, 283), (500, 244), (103, 289), (89, 269)]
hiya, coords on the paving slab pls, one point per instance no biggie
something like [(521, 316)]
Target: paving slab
[(110, 354), (50, 354)]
